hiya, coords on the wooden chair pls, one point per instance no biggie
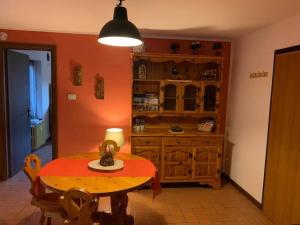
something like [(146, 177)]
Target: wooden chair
[(47, 202), (79, 206)]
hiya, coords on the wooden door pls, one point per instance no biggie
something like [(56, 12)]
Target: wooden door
[(210, 96), (177, 163), (281, 199), (149, 152), (190, 96), (169, 97), (206, 162), (18, 110)]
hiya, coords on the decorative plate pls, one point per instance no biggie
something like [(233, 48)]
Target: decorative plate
[(95, 165)]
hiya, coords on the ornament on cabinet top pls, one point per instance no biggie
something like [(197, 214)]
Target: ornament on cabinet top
[(217, 46), (195, 46), (174, 48)]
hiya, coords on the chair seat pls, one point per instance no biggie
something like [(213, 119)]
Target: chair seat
[(48, 203)]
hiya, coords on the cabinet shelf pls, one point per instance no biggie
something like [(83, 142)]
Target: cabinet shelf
[(158, 57), (159, 114)]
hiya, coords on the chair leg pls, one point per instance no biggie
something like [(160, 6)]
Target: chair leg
[(49, 221), (42, 219)]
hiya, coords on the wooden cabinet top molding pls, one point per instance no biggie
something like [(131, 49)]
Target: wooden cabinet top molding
[(159, 57)]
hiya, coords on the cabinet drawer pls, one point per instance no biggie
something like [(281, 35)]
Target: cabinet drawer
[(177, 141), (146, 141), (207, 141)]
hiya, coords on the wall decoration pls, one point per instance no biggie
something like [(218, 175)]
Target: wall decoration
[(99, 87), (78, 75), (258, 74)]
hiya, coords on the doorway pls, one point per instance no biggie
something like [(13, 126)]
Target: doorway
[(28, 104), (281, 198)]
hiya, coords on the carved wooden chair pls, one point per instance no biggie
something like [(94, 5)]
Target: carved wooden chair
[(47, 202), (79, 206)]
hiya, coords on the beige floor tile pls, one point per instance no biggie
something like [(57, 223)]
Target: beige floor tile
[(175, 206)]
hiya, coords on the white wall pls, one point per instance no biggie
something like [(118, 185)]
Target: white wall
[(249, 100)]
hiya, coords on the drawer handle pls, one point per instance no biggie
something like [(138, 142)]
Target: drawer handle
[(177, 142), (147, 142)]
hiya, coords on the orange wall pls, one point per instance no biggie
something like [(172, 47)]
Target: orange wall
[(81, 123)]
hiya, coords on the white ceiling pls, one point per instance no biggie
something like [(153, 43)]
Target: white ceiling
[(170, 18)]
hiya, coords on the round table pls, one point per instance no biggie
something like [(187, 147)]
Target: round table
[(114, 187)]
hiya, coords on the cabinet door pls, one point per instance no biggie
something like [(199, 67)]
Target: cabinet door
[(210, 97), (190, 97), (177, 163), (149, 152), (207, 161), (169, 97)]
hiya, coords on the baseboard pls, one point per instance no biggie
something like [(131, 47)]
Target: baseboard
[(245, 193)]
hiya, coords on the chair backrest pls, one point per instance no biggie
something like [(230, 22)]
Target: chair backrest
[(79, 206), (32, 166)]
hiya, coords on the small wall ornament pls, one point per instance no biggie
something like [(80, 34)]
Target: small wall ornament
[(99, 87), (78, 75)]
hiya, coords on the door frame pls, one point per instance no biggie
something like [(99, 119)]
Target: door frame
[(4, 126), (276, 52)]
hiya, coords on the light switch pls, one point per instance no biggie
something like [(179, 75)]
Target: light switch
[(72, 97)]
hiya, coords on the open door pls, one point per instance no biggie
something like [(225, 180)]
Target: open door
[(281, 201), (19, 133)]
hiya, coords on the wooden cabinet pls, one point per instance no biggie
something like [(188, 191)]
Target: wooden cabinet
[(171, 91), (183, 159)]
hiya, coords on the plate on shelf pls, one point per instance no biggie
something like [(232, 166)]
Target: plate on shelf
[(176, 132), (95, 165)]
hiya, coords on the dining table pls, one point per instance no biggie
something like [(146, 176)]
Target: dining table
[(65, 173)]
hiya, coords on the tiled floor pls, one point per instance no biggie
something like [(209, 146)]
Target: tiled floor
[(175, 206)]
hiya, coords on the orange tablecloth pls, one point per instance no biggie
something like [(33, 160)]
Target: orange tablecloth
[(79, 167)]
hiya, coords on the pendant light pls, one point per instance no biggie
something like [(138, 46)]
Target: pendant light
[(120, 31)]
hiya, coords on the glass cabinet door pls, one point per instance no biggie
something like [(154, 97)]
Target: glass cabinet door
[(169, 97), (190, 98), (210, 98)]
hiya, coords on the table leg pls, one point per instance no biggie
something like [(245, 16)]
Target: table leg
[(119, 204)]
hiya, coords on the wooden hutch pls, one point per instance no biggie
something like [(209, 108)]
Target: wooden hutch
[(176, 90)]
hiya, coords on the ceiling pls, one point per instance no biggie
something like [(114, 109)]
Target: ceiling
[(223, 19)]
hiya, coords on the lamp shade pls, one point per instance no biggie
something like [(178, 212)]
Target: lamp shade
[(120, 31), (115, 134)]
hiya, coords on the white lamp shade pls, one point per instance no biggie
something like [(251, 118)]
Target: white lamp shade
[(115, 134)]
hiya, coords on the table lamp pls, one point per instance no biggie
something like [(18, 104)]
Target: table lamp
[(115, 134)]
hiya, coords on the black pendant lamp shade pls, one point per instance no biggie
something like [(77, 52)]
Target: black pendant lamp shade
[(120, 31)]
